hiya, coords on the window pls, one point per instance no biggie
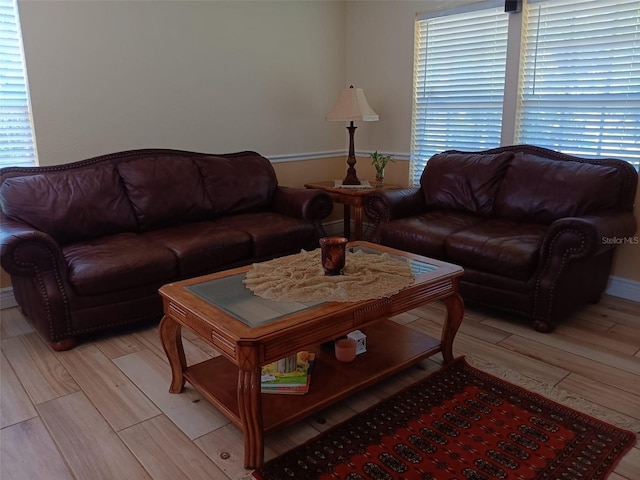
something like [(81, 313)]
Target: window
[(578, 79), (458, 81), (580, 90), (17, 147)]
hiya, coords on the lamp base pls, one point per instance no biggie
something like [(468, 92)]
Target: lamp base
[(351, 178)]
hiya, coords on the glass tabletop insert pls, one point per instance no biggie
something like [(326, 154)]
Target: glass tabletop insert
[(230, 294)]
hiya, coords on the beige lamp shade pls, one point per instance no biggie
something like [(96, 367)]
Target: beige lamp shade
[(351, 106)]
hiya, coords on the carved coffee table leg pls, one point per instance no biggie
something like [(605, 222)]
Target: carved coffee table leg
[(250, 408), (455, 313), (172, 343), (249, 403)]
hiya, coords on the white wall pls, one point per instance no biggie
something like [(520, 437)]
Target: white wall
[(216, 76), (210, 76)]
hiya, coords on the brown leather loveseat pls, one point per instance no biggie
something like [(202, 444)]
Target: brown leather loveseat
[(534, 229), (88, 244)]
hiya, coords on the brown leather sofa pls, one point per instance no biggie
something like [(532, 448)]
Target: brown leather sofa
[(534, 229), (88, 244)]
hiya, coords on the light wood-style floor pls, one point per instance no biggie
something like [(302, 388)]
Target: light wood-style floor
[(103, 411)]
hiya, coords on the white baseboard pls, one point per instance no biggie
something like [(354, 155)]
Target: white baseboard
[(334, 228), (623, 288), (7, 300)]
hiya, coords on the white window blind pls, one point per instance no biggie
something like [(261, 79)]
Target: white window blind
[(16, 139), (459, 72), (580, 88)]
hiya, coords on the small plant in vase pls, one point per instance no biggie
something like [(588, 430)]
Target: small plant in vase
[(379, 162)]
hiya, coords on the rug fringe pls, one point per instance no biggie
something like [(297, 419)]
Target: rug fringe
[(564, 397)]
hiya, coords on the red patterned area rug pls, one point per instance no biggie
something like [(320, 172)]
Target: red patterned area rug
[(464, 424)]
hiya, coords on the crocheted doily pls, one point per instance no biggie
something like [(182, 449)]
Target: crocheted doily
[(301, 278)]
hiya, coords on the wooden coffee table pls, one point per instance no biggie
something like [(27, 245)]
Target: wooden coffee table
[(250, 332)]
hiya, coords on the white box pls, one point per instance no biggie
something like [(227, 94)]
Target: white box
[(360, 339)]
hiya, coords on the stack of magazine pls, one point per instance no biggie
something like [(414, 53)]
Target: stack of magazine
[(292, 383)]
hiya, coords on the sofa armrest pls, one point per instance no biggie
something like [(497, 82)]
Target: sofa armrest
[(589, 235), (570, 244), (307, 204), (25, 251), (385, 205)]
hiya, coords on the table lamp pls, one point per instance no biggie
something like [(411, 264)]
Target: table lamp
[(351, 106)]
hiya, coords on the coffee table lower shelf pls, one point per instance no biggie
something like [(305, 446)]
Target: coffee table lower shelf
[(391, 348)]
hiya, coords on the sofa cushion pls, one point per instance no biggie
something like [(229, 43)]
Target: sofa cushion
[(464, 181), (164, 190), (273, 233), (203, 247), (506, 248), (425, 233), (118, 262), (71, 205), (536, 189), (238, 183)]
